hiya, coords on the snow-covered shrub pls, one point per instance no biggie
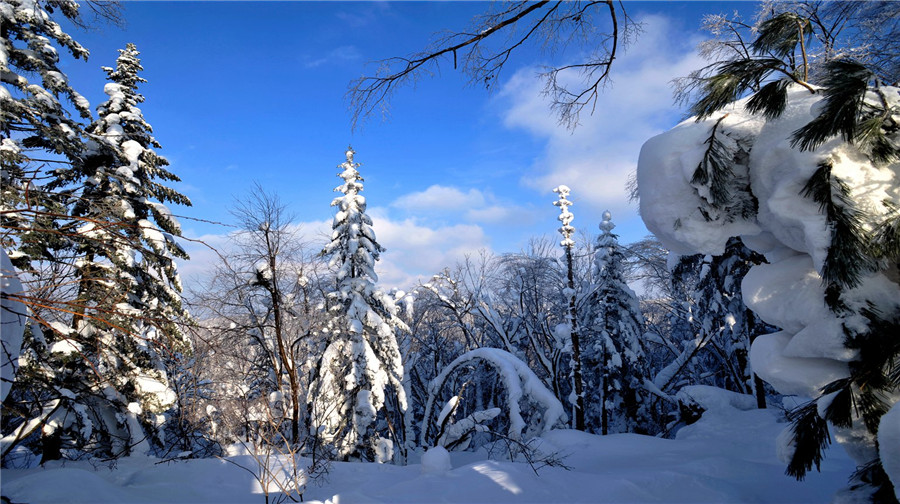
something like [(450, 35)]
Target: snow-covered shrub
[(516, 396)]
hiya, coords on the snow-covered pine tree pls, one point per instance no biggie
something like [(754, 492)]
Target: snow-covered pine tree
[(725, 321), (716, 351), (821, 166), (567, 231), (361, 364), (41, 146), (40, 138), (124, 199), (105, 369), (613, 361)]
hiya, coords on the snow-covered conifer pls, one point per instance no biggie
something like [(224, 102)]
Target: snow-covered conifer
[(715, 351), (41, 140), (360, 374), (614, 360), (820, 160), (723, 319), (107, 364)]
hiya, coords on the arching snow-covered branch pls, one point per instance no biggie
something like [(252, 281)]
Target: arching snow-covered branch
[(520, 382)]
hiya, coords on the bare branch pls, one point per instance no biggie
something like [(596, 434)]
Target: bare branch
[(554, 25)]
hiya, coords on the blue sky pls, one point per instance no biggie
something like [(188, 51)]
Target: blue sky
[(244, 92)]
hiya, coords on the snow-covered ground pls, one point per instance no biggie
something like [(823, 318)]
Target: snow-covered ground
[(727, 456)]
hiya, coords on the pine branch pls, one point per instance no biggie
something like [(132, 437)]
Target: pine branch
[(735, 78), (770, 100), (714, 170), (724, 194), (810, 436), (780, 35), (846, 260), (845, 83), (876, 370), (886, 235), (840, 411)]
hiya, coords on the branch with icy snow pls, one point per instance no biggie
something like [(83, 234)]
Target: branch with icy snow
[(521, 384)]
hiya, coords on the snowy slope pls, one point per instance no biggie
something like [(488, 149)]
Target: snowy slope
[(728, 456)]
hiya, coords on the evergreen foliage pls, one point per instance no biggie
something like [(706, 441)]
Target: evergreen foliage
[(614, 359), (360, 375), (721, 177), (847, 259), (81, 208), (810, 438), (858, 110)]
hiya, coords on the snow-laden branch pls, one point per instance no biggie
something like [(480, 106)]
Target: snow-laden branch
[(520, 383)]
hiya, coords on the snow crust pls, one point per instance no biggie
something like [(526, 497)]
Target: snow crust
[(724, 457)]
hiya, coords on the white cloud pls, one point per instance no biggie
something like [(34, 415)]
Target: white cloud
[(440, 198), (597, 158), (338, 55), (414, 250), (202, 250), (472, 205)]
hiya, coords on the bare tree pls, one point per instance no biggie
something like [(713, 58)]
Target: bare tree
[(260, 308), (597, 28)]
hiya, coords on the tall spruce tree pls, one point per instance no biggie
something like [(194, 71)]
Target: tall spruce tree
[(614, 360), (41, 146), (96, 374), (360, 373), (127, 256), (40, 138)]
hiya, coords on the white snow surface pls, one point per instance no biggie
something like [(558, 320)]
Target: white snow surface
[(889, 445), (727, 456)]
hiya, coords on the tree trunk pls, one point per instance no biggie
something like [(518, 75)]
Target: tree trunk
[(576, 346)]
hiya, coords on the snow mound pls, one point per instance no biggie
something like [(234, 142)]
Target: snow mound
[(716, 399), (436, 460)]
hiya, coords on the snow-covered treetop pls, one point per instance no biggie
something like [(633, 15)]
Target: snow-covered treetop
[(127, 67), (607, 225), (565, 216), (352, 180), (353, 248)]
